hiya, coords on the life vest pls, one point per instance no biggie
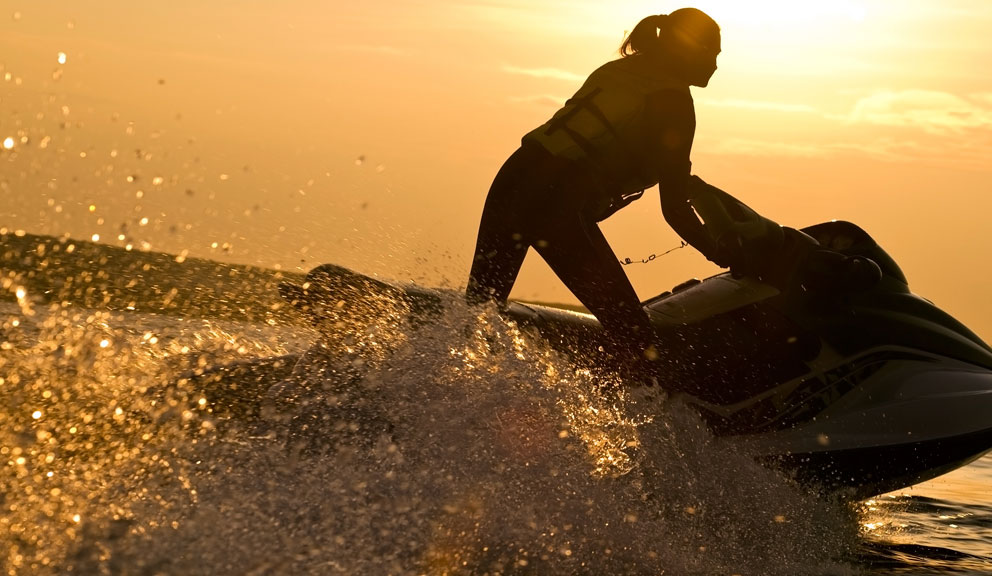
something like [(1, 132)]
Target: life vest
[(603, 126)]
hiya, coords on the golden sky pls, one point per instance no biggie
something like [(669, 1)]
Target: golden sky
[(367, 133)]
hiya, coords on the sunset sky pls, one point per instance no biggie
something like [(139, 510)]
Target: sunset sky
[(367, 133)]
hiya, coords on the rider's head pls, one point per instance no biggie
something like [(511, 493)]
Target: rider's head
[(687, 39)]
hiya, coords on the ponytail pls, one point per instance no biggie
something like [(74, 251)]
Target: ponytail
[(687, 28), (644, 36)]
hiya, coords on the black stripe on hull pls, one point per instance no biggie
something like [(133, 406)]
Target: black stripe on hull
[(865, 472)]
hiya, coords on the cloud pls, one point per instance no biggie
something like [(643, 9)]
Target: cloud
[(546, 100), (925, 126), (549, 73), (939, 113), (984, 97), (933, 112), (383, 49), (958, 153), (750, 147), (760, 105)]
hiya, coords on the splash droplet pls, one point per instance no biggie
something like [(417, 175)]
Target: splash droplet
[(62, 58)]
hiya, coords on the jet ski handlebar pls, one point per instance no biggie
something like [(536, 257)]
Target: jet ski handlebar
[(756, 246)]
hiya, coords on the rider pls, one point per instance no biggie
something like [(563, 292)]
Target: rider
[(630, 126)]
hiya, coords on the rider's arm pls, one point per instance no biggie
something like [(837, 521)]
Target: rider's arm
[(672, 121), (682, 218)]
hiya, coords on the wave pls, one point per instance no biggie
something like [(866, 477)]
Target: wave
[(464, 446)]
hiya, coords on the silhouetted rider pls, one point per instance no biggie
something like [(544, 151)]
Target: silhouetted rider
[(630, 126)]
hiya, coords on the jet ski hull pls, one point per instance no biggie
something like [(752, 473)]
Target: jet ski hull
[(848, 386)]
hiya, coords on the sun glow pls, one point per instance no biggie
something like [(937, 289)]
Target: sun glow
[(782, 36), (779, 13), (759, 25), (765, 14)]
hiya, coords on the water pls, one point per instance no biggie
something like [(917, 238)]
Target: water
[(463, 447), (941, 526)]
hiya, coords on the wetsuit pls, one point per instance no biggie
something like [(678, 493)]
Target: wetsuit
[(552, 199)]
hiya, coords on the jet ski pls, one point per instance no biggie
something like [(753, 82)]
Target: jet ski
[(816, 355)]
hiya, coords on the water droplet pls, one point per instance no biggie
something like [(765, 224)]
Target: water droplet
[(8, 143)]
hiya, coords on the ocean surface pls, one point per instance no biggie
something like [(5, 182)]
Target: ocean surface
[(461, 447)]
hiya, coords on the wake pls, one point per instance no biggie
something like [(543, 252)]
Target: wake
[(461, 446)]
